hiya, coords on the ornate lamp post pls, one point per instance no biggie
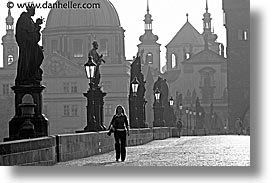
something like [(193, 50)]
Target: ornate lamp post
[(158, 110), (180, 106), (190, 118), (90, 67), (157, 95), (135, 84), (92, 125), (171, 101), (172, 118), (187, 112), (195, 121)]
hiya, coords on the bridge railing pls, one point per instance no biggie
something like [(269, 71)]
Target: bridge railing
[(64, 147)]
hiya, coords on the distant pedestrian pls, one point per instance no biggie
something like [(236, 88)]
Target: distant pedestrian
[(119, 125), (239, 126), (179, 126)]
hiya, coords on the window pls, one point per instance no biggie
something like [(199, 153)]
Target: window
[(187, 56), (243, 35), (73, 87), (77, 48), (109, 109), (149, 58), (107, 85), (66, 110), (174, 61), (103, 47), (207, 84), (6, 89), (10, 59), (54, 45), (74, 110), (70, 110), (70, 87), (66, 87)]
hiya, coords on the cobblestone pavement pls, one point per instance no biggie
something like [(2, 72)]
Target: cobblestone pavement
[(184, 151)]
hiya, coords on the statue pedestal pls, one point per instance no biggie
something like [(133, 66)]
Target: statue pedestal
[(37, 125), (95, 115), (158, 116)]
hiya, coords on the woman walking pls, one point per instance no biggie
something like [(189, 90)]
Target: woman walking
[(119, 125)]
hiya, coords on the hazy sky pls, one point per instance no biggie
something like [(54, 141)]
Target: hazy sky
[(168, 17)]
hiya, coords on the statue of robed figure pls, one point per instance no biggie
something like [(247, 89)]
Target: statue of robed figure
[(30, 53)]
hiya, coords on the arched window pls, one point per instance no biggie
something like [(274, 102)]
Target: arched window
[(149, 58), (173, 61), (103, 47), (187, 55), (10, 59), (77, 48), (54, 45)]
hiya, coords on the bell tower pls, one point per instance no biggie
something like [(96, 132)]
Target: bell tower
[(10, 48), (149, 47)]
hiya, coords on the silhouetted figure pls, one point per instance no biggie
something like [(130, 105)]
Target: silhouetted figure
[(239, 126), (119, 125), (179, 126), (98, 59), (30, 53)]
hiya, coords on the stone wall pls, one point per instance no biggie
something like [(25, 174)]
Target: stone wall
[(65, 147), (39, 151)]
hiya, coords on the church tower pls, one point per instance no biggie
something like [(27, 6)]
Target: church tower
[(149, 47), (10, 48), (209, 36)]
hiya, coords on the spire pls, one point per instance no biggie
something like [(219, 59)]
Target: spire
[(147, 6), (148, 36), (148, 19), (206, 20), (10, 48), (9, 19), (187, 17)]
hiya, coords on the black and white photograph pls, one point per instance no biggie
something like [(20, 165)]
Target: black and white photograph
[(126, 83)]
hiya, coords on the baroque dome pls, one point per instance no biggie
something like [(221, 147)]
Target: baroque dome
[(103, 15)]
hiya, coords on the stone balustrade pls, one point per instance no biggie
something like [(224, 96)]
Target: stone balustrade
[(65, 147)]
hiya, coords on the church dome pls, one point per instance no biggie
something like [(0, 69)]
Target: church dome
[(104, 14)]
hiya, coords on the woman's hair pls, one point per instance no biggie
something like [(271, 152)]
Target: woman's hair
[(122, 109)]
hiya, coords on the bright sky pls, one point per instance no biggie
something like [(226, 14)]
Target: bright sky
[(168, 17)]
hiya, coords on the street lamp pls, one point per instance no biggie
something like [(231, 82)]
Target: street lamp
[(157, 95), (187, 112), (180, 106), (195, 120), (135, 84), (90, 67), (171, 101)]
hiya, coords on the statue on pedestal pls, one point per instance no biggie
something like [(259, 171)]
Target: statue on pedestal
[(30, 53), (98, 59)]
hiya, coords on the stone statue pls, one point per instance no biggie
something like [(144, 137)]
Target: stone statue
[(30, 53), (98, 59)]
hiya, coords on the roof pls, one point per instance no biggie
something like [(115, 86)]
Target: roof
[(206, 56), (104, 15), (187, 35)]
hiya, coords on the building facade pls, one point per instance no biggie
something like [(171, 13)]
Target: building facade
[(67, 39), (237, 24), (197, 68)]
